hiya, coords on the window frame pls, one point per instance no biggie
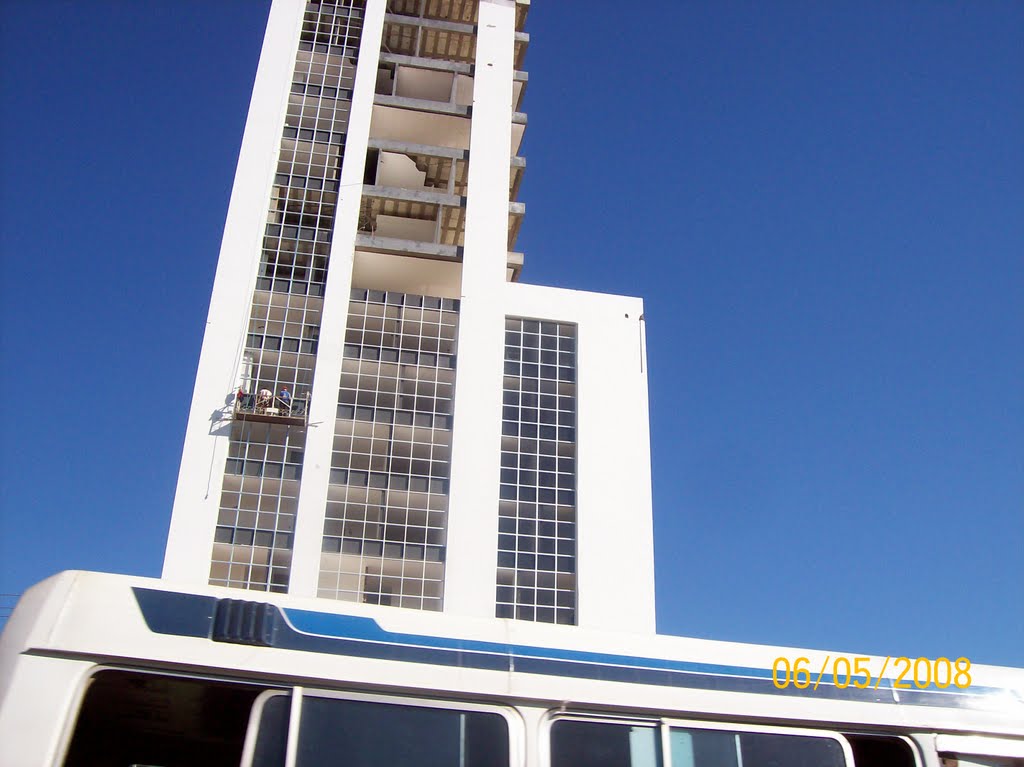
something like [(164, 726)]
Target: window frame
[(515, 725), (917, 750), (695, 724), (664, 725), (255, 717), (73, 712), (514, 721), (552, 717)]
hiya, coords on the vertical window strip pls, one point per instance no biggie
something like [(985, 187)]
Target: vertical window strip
[(386, 518), (253, 541), (536, 572), (256, 520)]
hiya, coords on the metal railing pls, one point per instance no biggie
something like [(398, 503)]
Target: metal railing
[(267, 407)]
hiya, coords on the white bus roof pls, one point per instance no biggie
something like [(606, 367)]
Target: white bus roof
[(140, 622)]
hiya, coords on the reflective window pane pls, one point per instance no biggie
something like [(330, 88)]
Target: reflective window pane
[(336, 733), (601, 744)]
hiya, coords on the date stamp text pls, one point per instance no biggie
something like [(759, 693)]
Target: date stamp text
[(843, 671)]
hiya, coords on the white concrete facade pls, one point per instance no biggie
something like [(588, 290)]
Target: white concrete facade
[(316, 469), (368, 242), (472, 536), (196, 496)]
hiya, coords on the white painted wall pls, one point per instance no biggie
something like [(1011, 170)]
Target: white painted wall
[(197, 497), (316, 465), (399, 170), (476, 439), (419, 276), (395, 124), (427, 84), (406, 228), (463, 90)]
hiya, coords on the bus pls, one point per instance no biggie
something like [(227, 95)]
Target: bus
[(117, 671)]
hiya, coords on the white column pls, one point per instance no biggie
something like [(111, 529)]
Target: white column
[(196, 499), (476, 439), (614, 533), (316, 466)]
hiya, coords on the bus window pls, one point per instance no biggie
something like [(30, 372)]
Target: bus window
[(130, 717), (582, 743), (880, 751), (271, 714), (723, 748), (359, 733)]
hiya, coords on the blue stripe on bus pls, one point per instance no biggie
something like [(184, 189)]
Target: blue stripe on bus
[(193, 615), (367, 629), (614, 667)]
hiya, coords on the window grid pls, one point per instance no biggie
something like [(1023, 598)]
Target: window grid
[(386, 516), (253, 540), (305, 191), (536, 577), (281, 345)]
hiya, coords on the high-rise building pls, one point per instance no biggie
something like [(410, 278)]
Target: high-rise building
[(382, 412)]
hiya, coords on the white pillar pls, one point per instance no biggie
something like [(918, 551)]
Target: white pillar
[(471, 554), (316, 465)]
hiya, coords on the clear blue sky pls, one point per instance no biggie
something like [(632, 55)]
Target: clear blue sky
[(821, 203)]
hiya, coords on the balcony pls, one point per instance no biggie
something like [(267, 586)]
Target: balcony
[(433, 85), (426, 225), (446, 89), (397, 221)]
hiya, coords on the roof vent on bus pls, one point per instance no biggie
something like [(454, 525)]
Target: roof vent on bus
[(242, 622)]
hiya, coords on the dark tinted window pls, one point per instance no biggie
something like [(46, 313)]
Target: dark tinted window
[(881, 751), (603, 744), (360, 734), (272, 740), (764, 750), (717, 748), (134, 718)]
